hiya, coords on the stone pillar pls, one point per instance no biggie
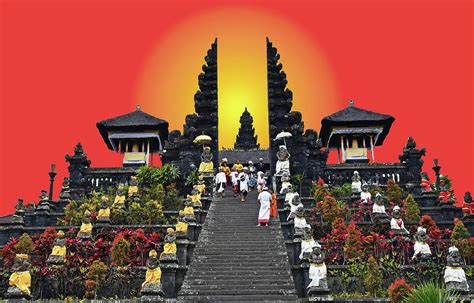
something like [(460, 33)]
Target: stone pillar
[(182, 251), (296, 250), (77, 180), (411, 157), (43, 215), (168, 278)]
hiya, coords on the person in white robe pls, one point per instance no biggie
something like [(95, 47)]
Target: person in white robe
[(243, 184), (261, 181), (235, 182), (221, 181), (264, 198)]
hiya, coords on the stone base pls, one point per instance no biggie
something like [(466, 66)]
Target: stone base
[(56, 260), (15, 293), (168, 258), (461, 288), (84, 236), (319, 294)]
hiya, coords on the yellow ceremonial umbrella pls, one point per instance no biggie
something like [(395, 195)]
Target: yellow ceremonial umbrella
[(202, 139)]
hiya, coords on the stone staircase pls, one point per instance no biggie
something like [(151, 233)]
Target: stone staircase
[(235, 260)]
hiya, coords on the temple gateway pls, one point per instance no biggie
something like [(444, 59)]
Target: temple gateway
[(355, 230)]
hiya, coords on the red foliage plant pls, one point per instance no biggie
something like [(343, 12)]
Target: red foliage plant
[(353, 245), (398, 290), (431, 228)]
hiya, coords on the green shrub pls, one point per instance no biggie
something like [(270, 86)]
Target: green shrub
[(431, 292), (373, 277), (150, 176), (341, 192), (24, 245), (412, 211)]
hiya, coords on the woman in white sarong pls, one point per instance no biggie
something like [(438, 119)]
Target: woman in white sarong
[(243, 184), (221, 181), (264, 198)]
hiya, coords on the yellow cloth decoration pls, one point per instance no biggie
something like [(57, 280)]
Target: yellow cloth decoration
[(182, 227), (201, 188), (188, 210), (238, 167), (59, 251), (132, 189), (169, 248), (103, 213), (206, 167), (86, 228), (119, 200), (152, 276), (21, 280), (196, 198)]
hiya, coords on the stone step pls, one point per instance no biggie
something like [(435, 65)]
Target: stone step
[(236, 287), (272, 282), (268, 291), (219, 273), (231, 298)]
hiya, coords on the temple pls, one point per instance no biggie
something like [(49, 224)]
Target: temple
[(246, 139), (351, 231), (354, 132), (137, 135)]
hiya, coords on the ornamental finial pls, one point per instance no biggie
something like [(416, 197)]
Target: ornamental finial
[(351, 103), (138, 108)]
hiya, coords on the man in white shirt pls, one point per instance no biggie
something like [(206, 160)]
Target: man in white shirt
[(243, 184), (264, 198), (221, 182)]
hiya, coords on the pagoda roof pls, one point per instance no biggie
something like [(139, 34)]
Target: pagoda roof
[(135, 122), (355, 117)]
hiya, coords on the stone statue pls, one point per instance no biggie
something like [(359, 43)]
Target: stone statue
[(378, 210), (422, 249), (188, 211), (300, 221), (151, 288), (119, 200), (20, 279), (44, 201), (201, 185), (468, 206), (294, 203), (182, 226), (58, 254), (396, 223), (195, 198), (206, 166), (454, 275), (425, 183), (356, 182), (64, 194), (317, 273), (445, 195), (169, 249), (365, 195), (85, 232), (103, 216), (307, 244), (20, 211), (283, 163), (285, 183), (133, 187)]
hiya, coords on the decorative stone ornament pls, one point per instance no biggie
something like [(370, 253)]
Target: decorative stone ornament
[(20, 280), (85, 233), (283, 163), (151, 289), (169, 249), (421, 247), (58, 253), (318, 276), (454, 275), (396, 223)]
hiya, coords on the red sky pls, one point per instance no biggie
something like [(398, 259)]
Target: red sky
[(68, 64)]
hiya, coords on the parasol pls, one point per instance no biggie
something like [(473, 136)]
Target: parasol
[(283, 135), (202, 139)]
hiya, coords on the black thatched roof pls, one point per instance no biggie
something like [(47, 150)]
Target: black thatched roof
[(244, 156), (352, 116), (136, 121)]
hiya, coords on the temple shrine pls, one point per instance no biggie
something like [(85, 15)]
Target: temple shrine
[(353, 231)]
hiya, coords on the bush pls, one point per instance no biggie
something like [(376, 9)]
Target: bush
[(319, 190), (394, 193), (341, 192), (431, 228), (120, 250), (94, 278), (431, 292), (150, 176), (330, 209), (373, 277), (172, 200), (353, 245), (460, 237), (398, 290), (24, 245), (412, 211)]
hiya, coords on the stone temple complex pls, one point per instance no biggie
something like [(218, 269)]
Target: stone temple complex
[(353, 231)]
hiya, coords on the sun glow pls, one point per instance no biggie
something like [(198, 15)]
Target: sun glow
[(168, 81)]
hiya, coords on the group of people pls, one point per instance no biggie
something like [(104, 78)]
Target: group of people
[(244, 179)]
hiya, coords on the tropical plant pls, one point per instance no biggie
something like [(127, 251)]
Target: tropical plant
[(192, 178), (398, 290), (151, 176), (95, 277), (353, 244), (395, 193), (319, 190), (460, 237), (341, 192), (431, 292), (373, 277), (172, 200), (330, 209), (296, 181), (412, 211), (120, 250), (24, 245)]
